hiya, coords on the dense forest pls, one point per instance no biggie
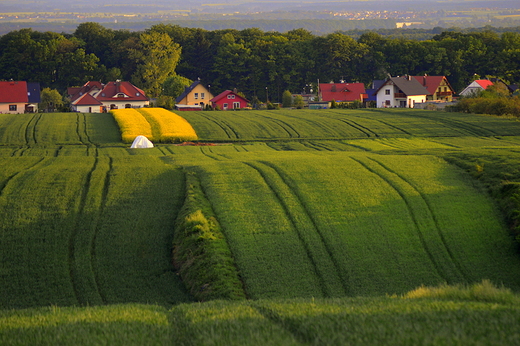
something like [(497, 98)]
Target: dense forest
[(253, 61)]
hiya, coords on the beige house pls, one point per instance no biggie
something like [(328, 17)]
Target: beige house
[(196, 96)]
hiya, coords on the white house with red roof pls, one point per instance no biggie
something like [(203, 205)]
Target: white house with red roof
[(95, 97), (342, 92), (475, 87), (19, 97), (403, 92), (229, 100)]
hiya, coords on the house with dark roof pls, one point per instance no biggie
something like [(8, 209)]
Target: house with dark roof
[(402, 92), (229, 100), (438, 87), (95, 97), (476, 86), (342, 92), (194, 97), (19, 97)]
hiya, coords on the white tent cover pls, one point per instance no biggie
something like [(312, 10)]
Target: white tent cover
[(141, 142)]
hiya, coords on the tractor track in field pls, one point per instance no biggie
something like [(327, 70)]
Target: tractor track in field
[(227, 129), (363, 129), (387, 124), (469, 129), (286, 127), (320, 278), (310, 242), (96, 224), (81, 250), (29, 130), (13, 176), (433, 217), (275, 318), (411, 212), (211, 155)]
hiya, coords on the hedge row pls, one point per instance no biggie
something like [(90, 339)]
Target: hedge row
[(201, 254)]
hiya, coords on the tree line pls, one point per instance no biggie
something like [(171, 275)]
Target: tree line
[(260, 64)]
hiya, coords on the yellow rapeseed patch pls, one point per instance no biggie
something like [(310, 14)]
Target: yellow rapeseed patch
[(132, 124), (171, 127)]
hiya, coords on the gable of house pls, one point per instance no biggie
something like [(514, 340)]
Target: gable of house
[(438, 87), (195, 94)]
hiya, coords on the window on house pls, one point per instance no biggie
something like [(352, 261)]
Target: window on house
[(236, 105), (387, 92), (13, 108), (229, 97), (202, 95), (225, 105), (196, 96), (387, 103)]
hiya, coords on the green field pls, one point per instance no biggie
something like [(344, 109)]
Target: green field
[(318, 206)]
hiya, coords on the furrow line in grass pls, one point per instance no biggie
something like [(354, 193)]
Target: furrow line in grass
[(57, 152), (203, 151), (320, 278), (78, 131), (432, 215), (275, 318), (73, 271), (474, 130), (162, 150), (28, 130), (359, 127), (226, 128), (355, 125), (104, 196), (13, 176), (342, 277), (34, 128), (311, 146), (285, 126), (15, 151), (387, 124), (85, 132), (321, 146), (392, 184)]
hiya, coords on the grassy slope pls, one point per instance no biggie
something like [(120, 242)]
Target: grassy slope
[(479, 315), (96, 136)]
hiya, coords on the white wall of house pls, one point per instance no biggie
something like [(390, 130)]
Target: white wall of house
[(385, 97), (120, 104), (87, 109)]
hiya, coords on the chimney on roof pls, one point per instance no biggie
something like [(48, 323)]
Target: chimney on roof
[(424, 79)]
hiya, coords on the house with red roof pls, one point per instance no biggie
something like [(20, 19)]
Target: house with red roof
[(19, 97), (438, 87), (402, 92), (342, 92), (229, 100), (95, 97), (476, 86)]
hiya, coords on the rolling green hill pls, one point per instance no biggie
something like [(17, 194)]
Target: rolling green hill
[(326, 205)]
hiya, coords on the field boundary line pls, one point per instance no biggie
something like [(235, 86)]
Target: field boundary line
[(411, 212), (432, 215), (342, 278)]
